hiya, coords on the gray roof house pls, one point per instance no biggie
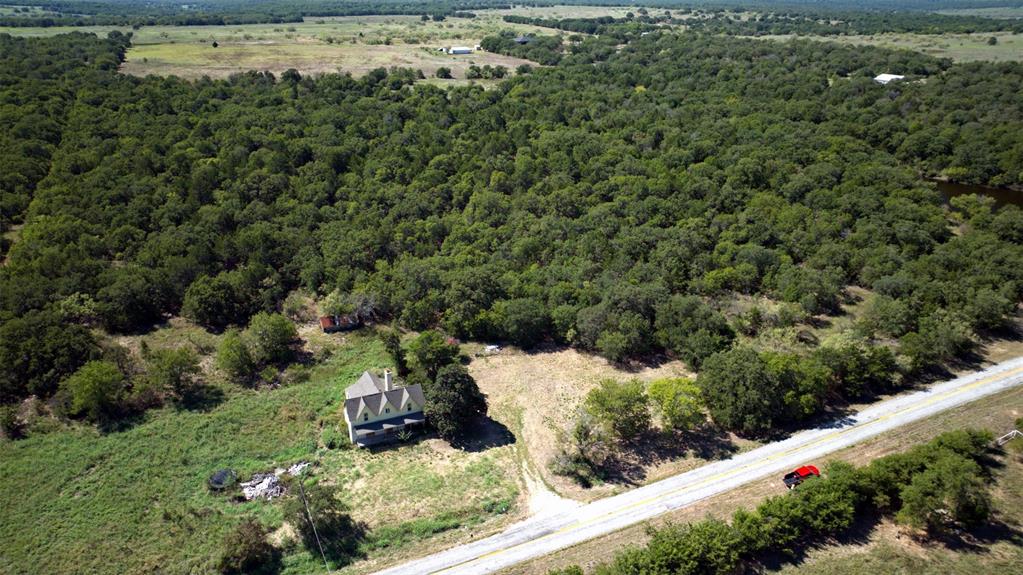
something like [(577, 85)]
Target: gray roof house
[(376, 409)]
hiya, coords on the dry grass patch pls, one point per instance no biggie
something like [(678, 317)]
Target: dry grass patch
[(537, 395)]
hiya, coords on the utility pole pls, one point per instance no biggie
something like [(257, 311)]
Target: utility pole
[(309, 516)]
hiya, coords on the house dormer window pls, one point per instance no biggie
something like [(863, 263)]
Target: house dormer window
[(387, 410), (409, 407), (365, 417)]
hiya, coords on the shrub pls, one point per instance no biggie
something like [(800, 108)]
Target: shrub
[(246, 550), (95, 390), (234, 359), (678, 402), (619, 407), (270, 337)]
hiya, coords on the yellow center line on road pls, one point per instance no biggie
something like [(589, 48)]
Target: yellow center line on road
[(736, 471)]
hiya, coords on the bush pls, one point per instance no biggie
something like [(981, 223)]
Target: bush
[(621, 408), (270, 337), (678, 402), (246, 550), (444, 73), (95, 390), (234, 359), (951, 490)]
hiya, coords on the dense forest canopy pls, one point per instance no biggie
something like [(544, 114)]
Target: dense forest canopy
[(604, 202)]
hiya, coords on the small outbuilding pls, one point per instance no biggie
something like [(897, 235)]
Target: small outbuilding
[(887, 78), (336, 323), (522, 39), (459, 50)]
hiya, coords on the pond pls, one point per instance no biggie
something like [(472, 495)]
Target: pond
[(1002, 196)]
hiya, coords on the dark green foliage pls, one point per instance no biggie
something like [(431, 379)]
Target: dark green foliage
[(95, 391), (431, 351), (391, 339), (620, 407), (246, 550), (524, 321), (444, 73), (453, 401), (328, 518), (211, 302), (234, 358), (738, 389), (858, 370), (37, 351), (270, 337), (570, 570), (951, 490), (173, 372), (591, 196), (690, 328)]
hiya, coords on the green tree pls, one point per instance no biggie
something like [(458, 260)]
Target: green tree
[(211, 302), (738, 389), (95, 390), (525, 322), (453, 401), (270, 338), (173, 371), (951, 490), (678, 402), (444, 72), (431, 351), (37, 351), (392, 343), (234, 358), (691, 329), (621, 407)]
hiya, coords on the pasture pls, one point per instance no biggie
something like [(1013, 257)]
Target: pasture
[(135, 500), (957, 47)]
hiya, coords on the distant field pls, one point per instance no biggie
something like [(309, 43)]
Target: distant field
[(353, 44), (1001, 12), (958, 47)]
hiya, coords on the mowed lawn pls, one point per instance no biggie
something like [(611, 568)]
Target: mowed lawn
[(136, 501)]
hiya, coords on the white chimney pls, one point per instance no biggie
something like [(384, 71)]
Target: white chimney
[(388, 383)]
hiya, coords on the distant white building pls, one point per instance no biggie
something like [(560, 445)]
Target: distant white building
[(886, 78), (459, 50)]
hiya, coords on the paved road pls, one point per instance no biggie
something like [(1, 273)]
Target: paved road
[(540, 535)]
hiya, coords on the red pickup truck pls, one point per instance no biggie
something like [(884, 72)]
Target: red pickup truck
[(798, 476)]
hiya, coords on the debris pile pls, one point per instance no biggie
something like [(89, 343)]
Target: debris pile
[(268, 485), (265, 485)]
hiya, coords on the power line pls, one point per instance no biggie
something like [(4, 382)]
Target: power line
[(309, 516)]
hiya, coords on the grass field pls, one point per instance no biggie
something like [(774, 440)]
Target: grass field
[(958, 47), (997, 12), (316, 46), (135, 501)]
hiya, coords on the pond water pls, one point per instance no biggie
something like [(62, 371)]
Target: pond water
[(1002, 196)]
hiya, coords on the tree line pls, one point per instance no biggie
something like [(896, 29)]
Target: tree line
[(935, 488)]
